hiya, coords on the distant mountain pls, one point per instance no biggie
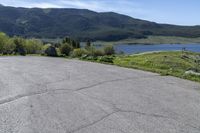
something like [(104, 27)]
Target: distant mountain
[(83, 24)]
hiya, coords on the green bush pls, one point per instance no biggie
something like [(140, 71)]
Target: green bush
[(79, 52), (44, 47), (92, 51), (106, 59), (33, 46), (59, 53), (109, 50), (88, 57), (65, 49), (98, 52), (3, 42), (20, 45), (9, 47)]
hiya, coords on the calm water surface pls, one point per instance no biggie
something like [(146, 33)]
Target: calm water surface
[(139, 48)]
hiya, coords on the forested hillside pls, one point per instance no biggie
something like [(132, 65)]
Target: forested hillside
[(83, 25)]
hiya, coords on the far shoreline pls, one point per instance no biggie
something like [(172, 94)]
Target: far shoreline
[(152, 40)]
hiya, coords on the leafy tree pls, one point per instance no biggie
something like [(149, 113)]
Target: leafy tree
[(46, 46), (65, 49), (20, 45), (3, 41), (9, 47), (33, 46)]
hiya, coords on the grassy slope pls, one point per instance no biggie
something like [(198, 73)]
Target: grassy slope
[(165, 63), (157, 40)]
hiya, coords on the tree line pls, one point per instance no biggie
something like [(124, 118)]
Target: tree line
[(68, 47), (18, 45)]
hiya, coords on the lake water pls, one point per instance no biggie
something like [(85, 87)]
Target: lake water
[(139, 48)]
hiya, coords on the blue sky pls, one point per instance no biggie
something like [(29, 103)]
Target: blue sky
[(182, 12)]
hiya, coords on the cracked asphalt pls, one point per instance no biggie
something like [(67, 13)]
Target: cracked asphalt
[(55, 95)]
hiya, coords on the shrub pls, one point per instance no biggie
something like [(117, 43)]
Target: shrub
[(92, 51), (51, 51), (46, 46), (65, 49), (33, 46), (107, 59), (20, 45), (3, 41), (9, 47), (98, 52), (91, 58), (59, 53), (79, 52), (109, 50)]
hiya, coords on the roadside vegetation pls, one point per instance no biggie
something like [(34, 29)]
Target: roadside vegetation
[(19, 46), (66, 48), (181, 64)]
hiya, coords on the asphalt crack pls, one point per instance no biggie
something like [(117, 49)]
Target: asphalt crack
[(110, 81), (142, 113), (197, 128), (115, 109), (17, 97), (91, 124), (118, 110), (108, 115)]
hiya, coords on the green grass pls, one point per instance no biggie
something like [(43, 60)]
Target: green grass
[(165, 63)]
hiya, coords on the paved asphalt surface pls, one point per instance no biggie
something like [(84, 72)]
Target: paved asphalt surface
[(54, 95)]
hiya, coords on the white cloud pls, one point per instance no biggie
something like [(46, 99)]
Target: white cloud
[(79, 3), (97, 5), (129, 7), (45, 5)]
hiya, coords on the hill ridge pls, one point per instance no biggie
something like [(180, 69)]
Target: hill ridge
[(83, 24)]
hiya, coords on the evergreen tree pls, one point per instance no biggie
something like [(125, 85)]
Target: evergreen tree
[(65, 49), (88, 45), (78, 45), (71, 42)]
